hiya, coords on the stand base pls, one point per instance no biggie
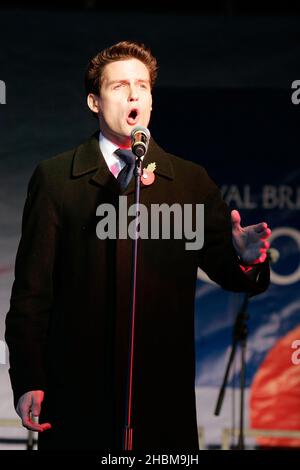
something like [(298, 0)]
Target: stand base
[(128, 438)]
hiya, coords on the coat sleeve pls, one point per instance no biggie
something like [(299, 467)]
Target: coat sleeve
[(32, 291), (218, 257)]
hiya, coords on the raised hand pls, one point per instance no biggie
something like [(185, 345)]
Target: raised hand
[(251, 242)]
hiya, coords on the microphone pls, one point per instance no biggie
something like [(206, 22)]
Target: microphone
[(140, 137)]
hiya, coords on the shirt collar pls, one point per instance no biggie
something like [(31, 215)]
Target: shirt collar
[(108, 148)]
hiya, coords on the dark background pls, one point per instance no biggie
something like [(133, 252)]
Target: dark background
[(225, 72)]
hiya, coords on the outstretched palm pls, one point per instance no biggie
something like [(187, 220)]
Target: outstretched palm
[(250, 242)]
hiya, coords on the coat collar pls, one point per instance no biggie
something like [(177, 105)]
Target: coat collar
[(88, 158)]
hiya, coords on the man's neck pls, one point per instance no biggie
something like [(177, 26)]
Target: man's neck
[(123, 143)]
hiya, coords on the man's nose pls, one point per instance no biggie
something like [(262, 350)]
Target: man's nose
[(133, 94)]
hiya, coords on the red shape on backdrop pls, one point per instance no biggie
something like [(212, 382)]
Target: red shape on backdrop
[(275, 392)]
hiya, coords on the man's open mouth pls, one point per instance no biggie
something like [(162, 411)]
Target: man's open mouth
[(133, 116)]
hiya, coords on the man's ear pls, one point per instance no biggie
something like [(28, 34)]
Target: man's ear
[(93, 103)]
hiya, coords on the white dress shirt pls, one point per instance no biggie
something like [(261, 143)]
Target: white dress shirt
[(108, 148)]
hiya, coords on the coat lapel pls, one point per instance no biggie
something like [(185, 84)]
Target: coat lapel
[(163, 162), (88, 158)]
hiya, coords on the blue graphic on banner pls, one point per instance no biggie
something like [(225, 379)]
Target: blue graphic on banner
[(271, 314)]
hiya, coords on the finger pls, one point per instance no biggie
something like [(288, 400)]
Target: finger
[(35, 412), (259, 259), (44, 426), (235, 217), (36, 407), (257, 250), (261, 227), (32, 426), (26, 418), (262, 235), (263, 249), (262, 258), (264, 244), (266, 233)]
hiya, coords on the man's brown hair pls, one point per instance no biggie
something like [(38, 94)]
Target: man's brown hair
[(121, 51)]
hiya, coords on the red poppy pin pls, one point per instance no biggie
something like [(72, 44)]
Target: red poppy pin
[(148, 175)]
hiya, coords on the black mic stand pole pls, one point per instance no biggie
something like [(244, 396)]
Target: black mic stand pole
[(239, 335), (128, 430)]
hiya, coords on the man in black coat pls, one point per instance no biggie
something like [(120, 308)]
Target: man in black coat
[(68, 324)]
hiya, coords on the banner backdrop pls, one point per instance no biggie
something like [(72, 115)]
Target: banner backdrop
[(247, 140), (227, 105)]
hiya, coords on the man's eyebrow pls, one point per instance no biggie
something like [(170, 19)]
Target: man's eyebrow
[(139, 80)]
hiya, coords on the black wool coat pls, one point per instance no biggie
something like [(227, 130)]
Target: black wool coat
[(67, 327)]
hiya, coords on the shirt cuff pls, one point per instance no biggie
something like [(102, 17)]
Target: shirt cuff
[(252, 271)]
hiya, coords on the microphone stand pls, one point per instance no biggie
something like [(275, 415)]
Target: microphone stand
[(240, 333), (128, 430)]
